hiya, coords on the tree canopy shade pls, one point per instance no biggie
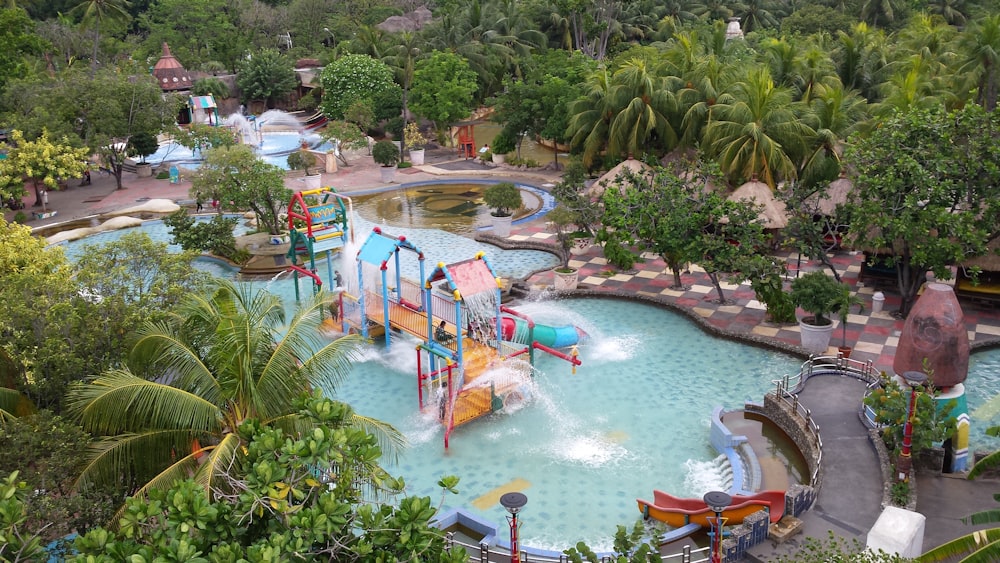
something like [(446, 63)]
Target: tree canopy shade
[(352, 78), (266, 75), (17, 41), (236, 175), (41, 162), (292, 496), (226, 356), (926, 192), (443, 86), (654, 213)]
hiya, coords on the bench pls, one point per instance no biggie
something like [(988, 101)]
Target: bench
[(985, 290)]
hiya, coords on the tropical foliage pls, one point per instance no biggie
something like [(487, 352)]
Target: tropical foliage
[(291, 495), (225, 356), (238, 178)]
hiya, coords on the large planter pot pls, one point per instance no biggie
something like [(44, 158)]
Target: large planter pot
[(417, 156), (144, 170), (815, 339), (330, 162), (388, 174), (581, 246), (501, 225), (499, 158), (313, 181), (565, 281)]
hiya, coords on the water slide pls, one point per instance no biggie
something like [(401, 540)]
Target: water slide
[(678, 512), (552, 336)]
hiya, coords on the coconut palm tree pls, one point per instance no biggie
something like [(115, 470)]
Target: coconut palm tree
[(979, 45), (590, 116), (644, 107), (224, 357), (860, 59), (95, 13), (759, 132), (836, 114)]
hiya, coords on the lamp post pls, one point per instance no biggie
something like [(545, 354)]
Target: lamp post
[(717, 501), (513, 502), (915, 379)]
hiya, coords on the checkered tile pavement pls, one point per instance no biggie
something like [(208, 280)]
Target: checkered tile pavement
[(873, 336)]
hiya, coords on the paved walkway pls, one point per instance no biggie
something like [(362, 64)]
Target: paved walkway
[(848, 501)]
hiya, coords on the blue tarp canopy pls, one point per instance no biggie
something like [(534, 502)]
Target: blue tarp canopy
[(378, 248)]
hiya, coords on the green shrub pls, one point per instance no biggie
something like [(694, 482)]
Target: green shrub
[(163, 175), (20, 217), (503, 143), (816, 293), (503, 198), (385, 153)]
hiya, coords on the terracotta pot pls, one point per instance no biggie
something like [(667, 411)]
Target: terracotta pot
[(845, 351)]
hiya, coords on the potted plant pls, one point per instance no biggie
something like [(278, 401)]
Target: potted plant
[(841, 306), (385, 153), (142, 144), (304, 160), (415, 143), (503, 143), (565, 277), (504, 199), (816, 294)]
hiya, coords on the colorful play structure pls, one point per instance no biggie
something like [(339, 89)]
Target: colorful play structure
[(318, 226), (456, 314), (678, 512)]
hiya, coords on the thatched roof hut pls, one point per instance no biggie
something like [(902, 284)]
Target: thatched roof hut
[(836, 194), (773, 213), (610, 178)]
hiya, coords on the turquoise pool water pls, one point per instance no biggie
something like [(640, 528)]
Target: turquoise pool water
[(437, 246), (983, 385), (635, 417)]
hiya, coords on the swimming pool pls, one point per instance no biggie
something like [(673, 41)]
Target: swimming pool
[(635, 417)]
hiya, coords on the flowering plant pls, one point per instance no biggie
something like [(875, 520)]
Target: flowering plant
[(413, 138)]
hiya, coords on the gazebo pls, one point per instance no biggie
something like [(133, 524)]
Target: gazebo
[(610, 178), (170, 74), (773, 214)]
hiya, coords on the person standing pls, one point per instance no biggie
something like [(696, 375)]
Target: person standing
[(337, 279), (199, 204)]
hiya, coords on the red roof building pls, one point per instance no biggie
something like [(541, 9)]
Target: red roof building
[(169, 73)]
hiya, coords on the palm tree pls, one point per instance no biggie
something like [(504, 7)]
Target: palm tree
[(643, 107), (590, 116), (224, 357), (94, 13), (861, 59), (980, 47), (953, 12), (759, 132), (836, 114)]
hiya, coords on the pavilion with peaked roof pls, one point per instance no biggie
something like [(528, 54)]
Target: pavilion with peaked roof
[(170, 74)]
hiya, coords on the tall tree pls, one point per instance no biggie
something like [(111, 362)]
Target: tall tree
[(980, 47), (18, 42), (926, 192), (266, 75), (657, 213), (443, 86), (41, 162), (227, 356), (352, 78), (108, 111), (96, 13), (237, 176), (759, 132)]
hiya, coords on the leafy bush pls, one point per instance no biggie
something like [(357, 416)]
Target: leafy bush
[(215, 236), (301, 160), (503, 198), (385, 153), (142, 144), (413, 138), (504, 142), (816, 293), (351, 78), (526, 162), (20, 217)]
